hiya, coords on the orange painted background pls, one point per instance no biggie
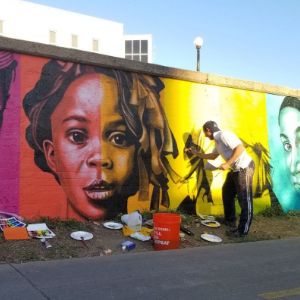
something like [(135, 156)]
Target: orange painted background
[(40, 194)]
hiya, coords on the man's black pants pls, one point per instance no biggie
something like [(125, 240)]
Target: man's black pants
[(239, 183)]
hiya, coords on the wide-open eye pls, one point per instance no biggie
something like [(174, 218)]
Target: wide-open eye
[(287, 146), (119, 139), (77, 136)]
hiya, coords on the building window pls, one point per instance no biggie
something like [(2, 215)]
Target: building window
[(136, 50), (128, 47), (136, 57), (144, 57), (95, 45), (144, 46), (52, 37), (74, 41), (136, 47), (1, 26)]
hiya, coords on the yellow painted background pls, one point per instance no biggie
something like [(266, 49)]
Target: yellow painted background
[(187, 106)]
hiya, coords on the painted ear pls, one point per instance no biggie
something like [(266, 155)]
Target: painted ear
[(50, 155)]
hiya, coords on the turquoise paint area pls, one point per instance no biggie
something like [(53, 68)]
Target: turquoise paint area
[(288, 198)]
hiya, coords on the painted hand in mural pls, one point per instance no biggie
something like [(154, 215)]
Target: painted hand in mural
[(103, 134)]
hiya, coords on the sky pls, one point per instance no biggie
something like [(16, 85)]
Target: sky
[(257, 40)]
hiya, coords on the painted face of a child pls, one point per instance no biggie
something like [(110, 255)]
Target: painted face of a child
[(91, 151), (289, 121)]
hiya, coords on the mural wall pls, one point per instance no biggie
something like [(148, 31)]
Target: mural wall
[(88, 142)]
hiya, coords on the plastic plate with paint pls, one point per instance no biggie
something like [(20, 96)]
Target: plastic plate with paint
[(113, 225), (211, 238), (205, 217), (210, 223), (81, 235)]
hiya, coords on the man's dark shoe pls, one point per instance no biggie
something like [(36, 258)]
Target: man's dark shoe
[(234, 233), (230, 224), (220, 219)]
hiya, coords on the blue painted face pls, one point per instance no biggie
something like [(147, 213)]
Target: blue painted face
[(289, 122)]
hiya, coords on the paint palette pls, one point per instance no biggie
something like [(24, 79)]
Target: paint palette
[(205, 217), (39, 231), (210, 223), (10, 222), (211, 238), (113, 225), (81, 235)]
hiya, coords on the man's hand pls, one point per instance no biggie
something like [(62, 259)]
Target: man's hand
[(224, 166), (190, 151)]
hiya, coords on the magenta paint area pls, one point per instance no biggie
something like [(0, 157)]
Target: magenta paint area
[(10, 145)]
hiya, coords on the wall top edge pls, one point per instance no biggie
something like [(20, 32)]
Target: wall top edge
[(79, 56)]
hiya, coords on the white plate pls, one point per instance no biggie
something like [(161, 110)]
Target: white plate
[(81, 235), (205, 217), (211, 238), (113, 225), (211, 223)]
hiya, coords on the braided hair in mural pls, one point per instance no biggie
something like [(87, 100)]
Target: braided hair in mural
[(7, 75)]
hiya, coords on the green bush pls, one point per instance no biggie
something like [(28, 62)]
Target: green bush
[(273, 211)]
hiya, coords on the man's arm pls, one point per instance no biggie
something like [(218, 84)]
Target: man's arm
[(211, 156), (237, 151)]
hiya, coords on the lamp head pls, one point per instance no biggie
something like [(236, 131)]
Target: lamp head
[(198, 42)]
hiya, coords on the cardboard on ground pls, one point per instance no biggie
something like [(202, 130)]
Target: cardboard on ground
[(15, 233), (40, 230)]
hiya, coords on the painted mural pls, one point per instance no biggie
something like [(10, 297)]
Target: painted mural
[(88, 142), (284, 141)]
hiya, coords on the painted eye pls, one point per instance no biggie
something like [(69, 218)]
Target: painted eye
[(78, 137), (287, 147), (119, 139)]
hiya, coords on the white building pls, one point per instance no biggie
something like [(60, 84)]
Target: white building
[(43, 24)]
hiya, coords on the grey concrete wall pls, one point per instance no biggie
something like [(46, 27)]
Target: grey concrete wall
[(42, 50)]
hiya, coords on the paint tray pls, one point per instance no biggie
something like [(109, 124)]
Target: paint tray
[(10, 222), (39, 231)]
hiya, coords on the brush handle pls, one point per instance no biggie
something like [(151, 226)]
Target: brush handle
[(83, 242), (185, 230)]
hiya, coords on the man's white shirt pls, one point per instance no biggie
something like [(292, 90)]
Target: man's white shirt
[(226, 142)]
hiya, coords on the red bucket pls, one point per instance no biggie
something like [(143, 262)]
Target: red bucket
[(166, 231)]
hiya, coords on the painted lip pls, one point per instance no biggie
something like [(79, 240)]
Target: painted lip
[(99, 190)]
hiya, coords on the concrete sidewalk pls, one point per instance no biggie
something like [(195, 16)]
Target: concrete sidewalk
[(229, 271)]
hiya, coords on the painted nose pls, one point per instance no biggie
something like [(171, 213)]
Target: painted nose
[(295, 161), (97, 161)]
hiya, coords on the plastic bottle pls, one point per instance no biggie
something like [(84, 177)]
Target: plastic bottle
[(134, 221)]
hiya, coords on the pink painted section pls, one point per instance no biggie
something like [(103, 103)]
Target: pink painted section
[(9, 149)]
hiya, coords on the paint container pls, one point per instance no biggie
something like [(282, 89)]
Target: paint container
[(127, 246), (166, 231), (133, 220)]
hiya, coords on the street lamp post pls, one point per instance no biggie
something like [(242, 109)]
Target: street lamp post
[(198, 42)]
